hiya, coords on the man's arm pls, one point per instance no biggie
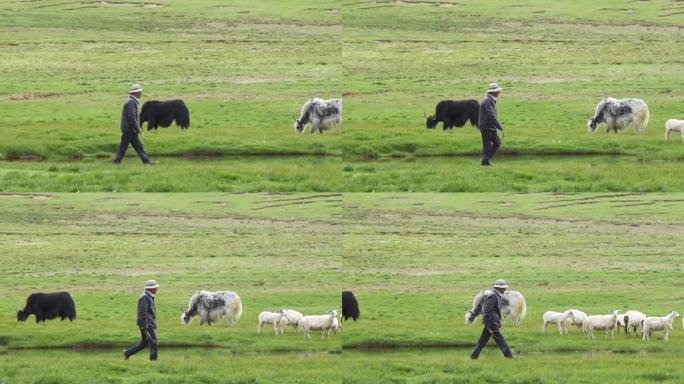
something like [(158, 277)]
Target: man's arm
[(478, 308), (491, 116), (143, 305), (490, 306), (132, 115)]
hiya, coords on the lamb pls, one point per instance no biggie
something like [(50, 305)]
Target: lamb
[(271, 318), (323, 323), (577, 319), (601, 323), (633, 320), (621, 323), (290, 317), (336, 326), (560, 319), (674, 125), (651, 324)]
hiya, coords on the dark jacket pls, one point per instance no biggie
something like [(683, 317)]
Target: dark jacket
[(147, 312), (488, 118), (130, 121), (490, 308)]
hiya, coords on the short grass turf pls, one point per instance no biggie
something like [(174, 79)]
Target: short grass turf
[(275, 251), (555, 61), (414, 262), (419, 259), (244, 70)]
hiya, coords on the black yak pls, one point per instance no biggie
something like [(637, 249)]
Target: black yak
[(162, 113), (350, 307), (454, 113), (47, 306)]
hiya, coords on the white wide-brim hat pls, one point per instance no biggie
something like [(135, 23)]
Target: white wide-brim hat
[(135, 88), (493, 87), (500, 284), (151, 284)]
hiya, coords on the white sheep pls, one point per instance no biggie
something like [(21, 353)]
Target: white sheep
[(601, 323), (270, 318), (336, 325), (558, 318), (674, 125), (658, 324), (291, 317), (620, 324), (323, 323), (577, 319), (633, 320)]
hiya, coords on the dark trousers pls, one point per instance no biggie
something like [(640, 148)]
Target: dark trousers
[(490, 143), (131, 138), (498, 338), (148, 338)]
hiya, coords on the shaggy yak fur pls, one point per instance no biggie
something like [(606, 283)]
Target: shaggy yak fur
[(350, 307), (619, 115), (162, 113), (322, 114), (47, 306), (454, 113)]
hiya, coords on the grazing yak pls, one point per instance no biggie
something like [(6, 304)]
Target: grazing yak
[(513, 304), (350, 307), (619, 115), (162, 113), (47, 306), (454, 113), (322, 114), (212, 307)]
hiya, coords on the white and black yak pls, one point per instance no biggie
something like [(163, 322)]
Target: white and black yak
[(212, 307), (454, 113), (619, 115), (513, 305), (350, 307), (322, 114), (47, 306), (163, 113)]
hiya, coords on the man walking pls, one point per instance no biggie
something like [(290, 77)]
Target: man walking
[(147, 322), (490, 308), (488, 124), (130, 127)]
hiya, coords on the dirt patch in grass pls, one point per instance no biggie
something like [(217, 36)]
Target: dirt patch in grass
[(34, 95), (36, 196)]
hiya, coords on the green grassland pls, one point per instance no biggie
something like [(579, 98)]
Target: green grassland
[(273, 250), (414, 262), (174, 366), (555, 60), (243, 68), (420, 259), (232, 174)]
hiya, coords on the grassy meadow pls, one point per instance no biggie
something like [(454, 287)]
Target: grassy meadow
[(555, 61), (245, 68), (421, 258), (414, 262), (273, 250)]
